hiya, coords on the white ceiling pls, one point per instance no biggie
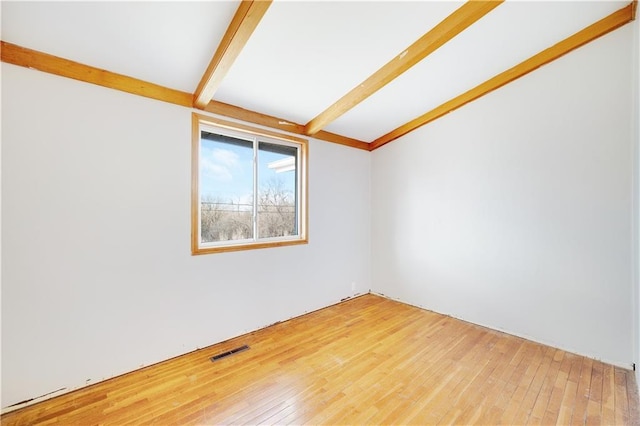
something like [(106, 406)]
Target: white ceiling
[(304, 55), (511, 33), (167, 43)]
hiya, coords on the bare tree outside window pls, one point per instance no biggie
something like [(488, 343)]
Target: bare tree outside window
[(276, 210), (225, 221)]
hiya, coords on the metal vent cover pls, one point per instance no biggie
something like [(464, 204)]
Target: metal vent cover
[(229, 353)]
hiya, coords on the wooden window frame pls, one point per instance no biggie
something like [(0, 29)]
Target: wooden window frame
[(199, 120)]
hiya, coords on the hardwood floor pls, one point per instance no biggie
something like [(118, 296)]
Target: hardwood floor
[(365, 361)]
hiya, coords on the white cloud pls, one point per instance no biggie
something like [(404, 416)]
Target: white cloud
[(225, 157), (219, 164)]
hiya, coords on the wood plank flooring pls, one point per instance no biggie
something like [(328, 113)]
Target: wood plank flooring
[(365, 361)]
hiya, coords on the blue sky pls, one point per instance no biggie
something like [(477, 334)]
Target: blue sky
[(226, 171)]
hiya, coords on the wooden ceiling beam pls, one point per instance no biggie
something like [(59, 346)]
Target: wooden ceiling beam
[(17, 55), (33, 59), (586, 35), (238, 113), (242, 25), (451, 26)]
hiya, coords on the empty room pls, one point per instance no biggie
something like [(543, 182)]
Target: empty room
[(320, 212)]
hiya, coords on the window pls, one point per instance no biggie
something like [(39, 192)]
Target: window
[(249, 187)]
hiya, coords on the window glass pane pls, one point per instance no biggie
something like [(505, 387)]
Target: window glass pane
[(226, 188), (250, 188), (277, 192)]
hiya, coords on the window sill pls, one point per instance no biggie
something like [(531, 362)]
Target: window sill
[(195, 251)]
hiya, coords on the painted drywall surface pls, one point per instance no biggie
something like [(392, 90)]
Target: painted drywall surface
[(97, 275), (0, 240), (636, 198), (515, 211)]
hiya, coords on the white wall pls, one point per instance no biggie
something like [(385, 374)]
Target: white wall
[(97, 275), (515, 211), (636, 193)]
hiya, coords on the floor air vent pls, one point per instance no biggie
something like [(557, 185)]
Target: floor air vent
[(229, 353)]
